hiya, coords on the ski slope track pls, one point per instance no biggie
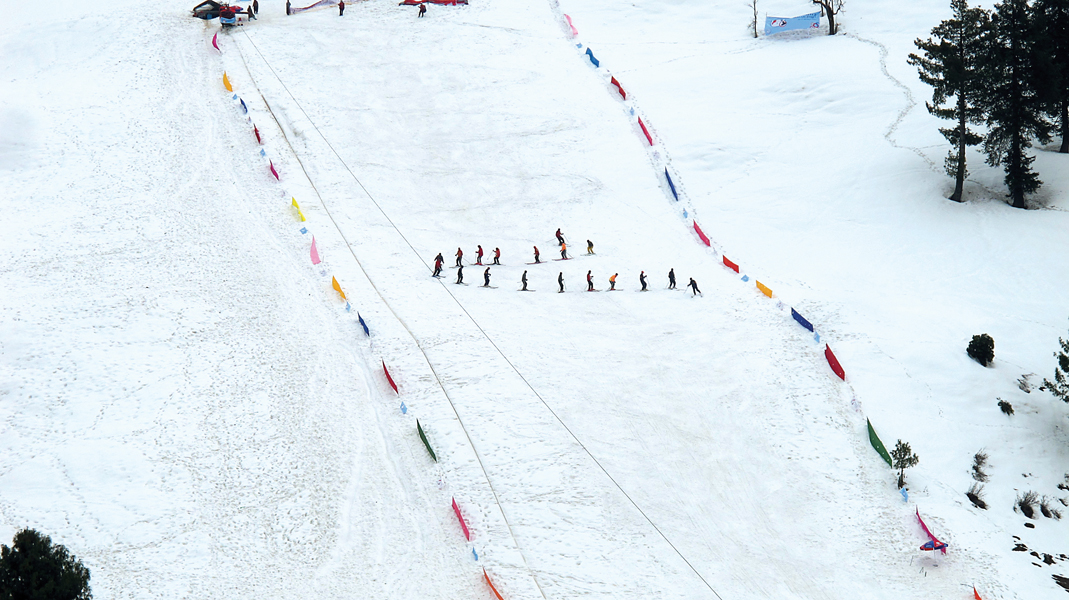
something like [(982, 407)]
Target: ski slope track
[(188, 405)]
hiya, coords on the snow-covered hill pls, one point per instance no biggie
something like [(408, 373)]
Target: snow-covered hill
[(190, 408)]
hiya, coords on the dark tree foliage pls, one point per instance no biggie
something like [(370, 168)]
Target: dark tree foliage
[(953, 67), (903, 458), (1052, 27), (982, 349), (1013, 102), (35, 569), (1060, 386)]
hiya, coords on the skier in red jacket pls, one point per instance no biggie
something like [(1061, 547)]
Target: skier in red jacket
[(497, 256), (536, 255), (479, 256), (460, 255), (589, 282)]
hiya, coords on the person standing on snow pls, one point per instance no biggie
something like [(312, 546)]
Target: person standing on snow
[(438, 260), (589, 247), (612, 282), (560, 282), (341, 7), (250, 12), (523, 280), (289, 11), (256, 6), (563, 251), (589, 282), (642, 280), (422, 9), (479, 256), (671, 279), (486, 277), (497, 256), (694, 286), (536, 255), (560, 238), (460, 273), (460, 255)]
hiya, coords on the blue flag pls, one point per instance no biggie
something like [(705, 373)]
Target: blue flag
[(745, 277), (404, 409), (243, 107), (671, 185), (363, 324), (801, 320), (304, 230), (592, 59), (475, 554)]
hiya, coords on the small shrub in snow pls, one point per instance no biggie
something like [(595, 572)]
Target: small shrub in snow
[(1027, 503), (1005, 406), (979, 461), (1044, 507), (982, 349), (903, 458), (1060, 386), (976, 496)]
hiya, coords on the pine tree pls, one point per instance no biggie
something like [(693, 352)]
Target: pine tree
[(1012, 101), (1052, 24), (35, 569), (1060, 386), (952, 66), (903, 458)]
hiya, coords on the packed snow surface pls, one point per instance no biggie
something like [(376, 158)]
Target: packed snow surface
[(189, 407)]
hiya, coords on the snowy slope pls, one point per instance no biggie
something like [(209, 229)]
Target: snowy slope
[(189, 407)]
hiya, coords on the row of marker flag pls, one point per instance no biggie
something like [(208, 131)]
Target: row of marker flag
[(316, 260), (833, 361)]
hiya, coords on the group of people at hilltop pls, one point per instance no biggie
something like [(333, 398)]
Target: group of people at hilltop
[(439, 260)]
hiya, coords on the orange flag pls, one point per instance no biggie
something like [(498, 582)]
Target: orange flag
[(226, 83), (337, 287), (764, 289)]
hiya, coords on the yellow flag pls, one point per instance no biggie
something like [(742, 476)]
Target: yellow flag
[(764, 289), (226, 83), (298, 207), (337, 286)]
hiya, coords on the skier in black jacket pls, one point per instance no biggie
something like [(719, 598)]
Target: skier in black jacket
[(486, 277), (560, 282), (671, 279), (523, 280), (460, 274), (642, 280), (694, 286)]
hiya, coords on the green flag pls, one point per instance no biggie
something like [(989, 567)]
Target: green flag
[(423, 437), (876, 443)]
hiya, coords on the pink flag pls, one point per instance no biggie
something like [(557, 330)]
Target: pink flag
[(463, 525), (645, 131), (936, 544), (215, 41), (315, 253), (701, 234), (273, 171), (569, 19)]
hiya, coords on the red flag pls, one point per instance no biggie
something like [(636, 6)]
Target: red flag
[(731, 265), (215, 41), (463, 525), (256, 132), (273, 171), (975, 594), (388, 378), (619, 87), (701, 234), (645, 131), (834, 362), (491, 584)]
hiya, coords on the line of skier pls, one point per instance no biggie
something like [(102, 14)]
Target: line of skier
[(439, 260)]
